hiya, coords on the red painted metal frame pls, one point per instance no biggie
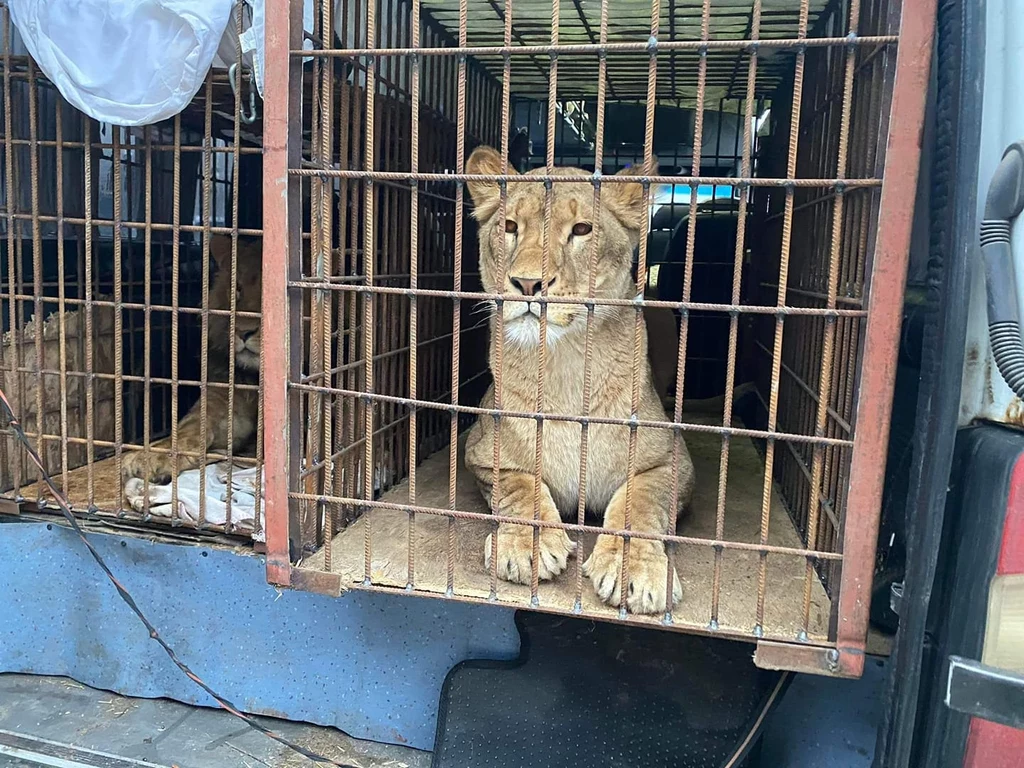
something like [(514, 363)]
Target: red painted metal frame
[(993, 745), (281, 245), (882, 334), (1011, 552)]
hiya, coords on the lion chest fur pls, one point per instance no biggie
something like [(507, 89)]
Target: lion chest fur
[(607, 445)]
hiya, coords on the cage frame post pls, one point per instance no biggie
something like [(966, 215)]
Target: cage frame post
[(887, 268), (282, 248)]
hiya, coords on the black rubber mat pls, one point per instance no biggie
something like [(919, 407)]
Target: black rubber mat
[(603, 696)]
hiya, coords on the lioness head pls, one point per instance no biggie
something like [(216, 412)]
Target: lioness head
[(246, 344), (517, 268)]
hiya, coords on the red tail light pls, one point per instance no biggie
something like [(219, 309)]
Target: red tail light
[(991, 745)]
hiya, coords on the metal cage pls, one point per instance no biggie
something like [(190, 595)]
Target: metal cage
[(791, 310), (109, 235)]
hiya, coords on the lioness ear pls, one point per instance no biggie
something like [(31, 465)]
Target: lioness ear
[(486, 195), (626, 201)]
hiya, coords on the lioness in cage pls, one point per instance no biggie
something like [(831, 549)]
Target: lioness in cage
[(574, 223), (245, 347)]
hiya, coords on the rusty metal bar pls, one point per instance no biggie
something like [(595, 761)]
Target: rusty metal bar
[(9, 178), (787, 227), (730, 375), (545, 268), (460, 160), (572, 527), (684, 325), (369, 232), (37, 251), (653, 178), (175, 326), (533, 416), (497, 363), (754, 309), (414, 259), (652, 48), (581, 507)]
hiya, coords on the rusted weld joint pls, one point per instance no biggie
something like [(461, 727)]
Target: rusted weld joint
[(652, 46)]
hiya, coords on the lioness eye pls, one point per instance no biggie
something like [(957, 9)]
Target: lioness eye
[(511, 227), (581, 229)]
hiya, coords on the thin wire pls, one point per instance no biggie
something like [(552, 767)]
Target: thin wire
[(123, 593), (733, 761)]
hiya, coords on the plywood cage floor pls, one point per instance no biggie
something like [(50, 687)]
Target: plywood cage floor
[(784, 601)]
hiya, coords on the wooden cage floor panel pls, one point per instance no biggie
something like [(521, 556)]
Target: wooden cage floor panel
[(107, 488), (783, 611)]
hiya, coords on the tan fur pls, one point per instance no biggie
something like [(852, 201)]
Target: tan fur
[(621, 218), (245, 346)]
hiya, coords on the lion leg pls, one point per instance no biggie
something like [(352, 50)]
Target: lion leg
[(515, 542), (192, 444), (648, 563)]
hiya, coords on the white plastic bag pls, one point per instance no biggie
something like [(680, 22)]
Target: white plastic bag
[(127, 62), (252, 39)]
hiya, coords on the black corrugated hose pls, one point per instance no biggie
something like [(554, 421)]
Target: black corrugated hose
[(1003, 204)]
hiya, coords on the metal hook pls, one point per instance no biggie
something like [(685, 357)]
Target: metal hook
[(249, 118)]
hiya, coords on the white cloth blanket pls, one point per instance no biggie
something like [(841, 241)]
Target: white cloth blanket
[(246, 484)]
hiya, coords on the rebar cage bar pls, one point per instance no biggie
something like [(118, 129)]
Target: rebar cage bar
[(772, 263), (112, 310)]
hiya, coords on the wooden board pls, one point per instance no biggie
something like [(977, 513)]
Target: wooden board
[(106, 493), (783, 613)]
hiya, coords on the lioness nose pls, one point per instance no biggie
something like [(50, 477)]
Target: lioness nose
[(529, 286), (246, 335)]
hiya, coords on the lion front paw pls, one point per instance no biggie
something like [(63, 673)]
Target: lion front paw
[(515, 552), (648, 565), (155, 467)]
